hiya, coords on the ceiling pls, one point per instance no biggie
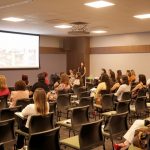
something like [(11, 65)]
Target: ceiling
[(42, 15)]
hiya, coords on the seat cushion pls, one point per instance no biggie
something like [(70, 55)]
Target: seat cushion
[(65, 123), (72, 142)]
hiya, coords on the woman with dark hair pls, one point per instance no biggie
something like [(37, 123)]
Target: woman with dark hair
[(25, 79), (112, 77), (140, 85), (124, 87), (19, 93), (103, 85), (40, 107), (119, 75), (40, 84), (103, 72), (46, 78), (82, 70)]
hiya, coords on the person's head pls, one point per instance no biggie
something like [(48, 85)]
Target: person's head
[(40, 101), (103, 70), (20, 85), (128, 73), (119, 73), (124, 79), (82, 64), (142, 78), (45, 74), (112, 75), (132, 72), (105, 78), (25, 79), (3, 84), (64, 79), (41, 77)]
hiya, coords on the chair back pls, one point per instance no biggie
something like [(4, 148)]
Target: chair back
[(47, 140), (7, 131), (118, 124), (90, 135), (23, 102), (103, 92), (84, 94), (107, 102), (142, 92), (59, 92), (86, 101), (79, 116), (52, 107), (3, 102), (8, 113), (63, 102), (140, 105), (123, 106), (75, 89), (126, 96), (39, 123)]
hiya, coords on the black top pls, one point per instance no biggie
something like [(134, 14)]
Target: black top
[(40, 85), (81, 70)]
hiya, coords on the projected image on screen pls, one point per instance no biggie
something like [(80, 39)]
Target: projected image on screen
[(18, 51)]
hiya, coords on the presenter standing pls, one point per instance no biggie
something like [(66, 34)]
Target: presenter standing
[(82, 70)]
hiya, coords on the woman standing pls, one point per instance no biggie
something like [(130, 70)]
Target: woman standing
[(82, 70)]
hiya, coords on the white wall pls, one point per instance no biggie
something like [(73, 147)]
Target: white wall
[(50, 63), (140, 62)]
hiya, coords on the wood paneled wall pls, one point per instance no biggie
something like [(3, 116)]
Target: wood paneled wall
[(120, 49), (78, 51)]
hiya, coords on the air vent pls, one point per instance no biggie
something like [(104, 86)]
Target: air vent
[(79, 28), (11, 3)]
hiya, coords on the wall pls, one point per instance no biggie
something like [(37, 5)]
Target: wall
[(128, 51), (50, 56)]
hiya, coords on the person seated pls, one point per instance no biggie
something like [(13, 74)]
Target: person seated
[(25, 79), (64, 86), (40, 84), (129, 135), (40, 107), (133, 76), (46, 78), (139, 86), (19, 93), (64, 83), (124, 87), (4, 91), (71, 76), (78, 80), (103, 85)]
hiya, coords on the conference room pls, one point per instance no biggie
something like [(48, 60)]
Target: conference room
[(69, 53)]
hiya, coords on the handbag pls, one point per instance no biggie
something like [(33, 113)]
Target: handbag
[(141, 138)]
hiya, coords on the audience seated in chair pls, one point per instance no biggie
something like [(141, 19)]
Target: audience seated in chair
[(125, 87), (4, 91), (139, 86), (19, 93), (40, 106)]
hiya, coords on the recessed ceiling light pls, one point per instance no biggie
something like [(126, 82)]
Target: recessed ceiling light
[(98, 31), (63, 26), (99, 4), (143, 16), (13, 19)]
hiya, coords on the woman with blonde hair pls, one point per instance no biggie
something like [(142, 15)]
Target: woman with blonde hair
[(40, 107), (4, 91)]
